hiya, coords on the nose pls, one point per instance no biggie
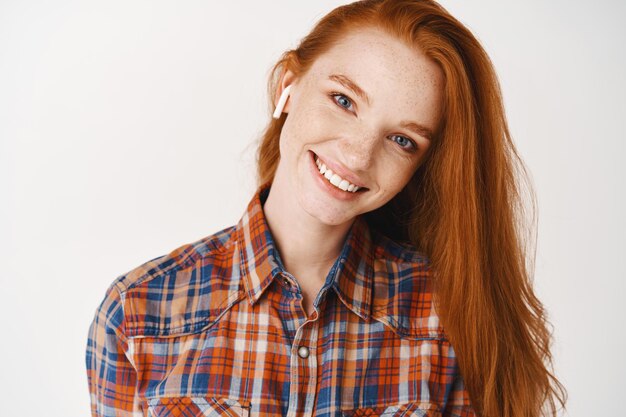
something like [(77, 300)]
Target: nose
[(359, 151)]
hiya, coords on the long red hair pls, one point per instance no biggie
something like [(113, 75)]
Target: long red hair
[(464, 208)]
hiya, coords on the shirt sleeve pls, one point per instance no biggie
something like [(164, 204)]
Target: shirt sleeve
[(458, 404), (112, 378)]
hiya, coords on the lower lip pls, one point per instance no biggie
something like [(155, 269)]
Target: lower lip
[(327, 186)]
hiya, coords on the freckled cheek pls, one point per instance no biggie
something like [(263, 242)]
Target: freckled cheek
[(394, 184), (320, 128), (312, 120), (325, 121), (290, 143), (294, 132), (395, 179)]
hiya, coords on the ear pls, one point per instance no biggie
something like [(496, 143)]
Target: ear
[(287, 78)]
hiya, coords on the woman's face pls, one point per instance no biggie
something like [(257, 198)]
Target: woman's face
[(364, 110)]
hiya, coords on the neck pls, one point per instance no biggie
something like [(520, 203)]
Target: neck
[(307, 246)]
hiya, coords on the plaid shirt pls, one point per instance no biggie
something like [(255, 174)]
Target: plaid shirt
[(216, 327)]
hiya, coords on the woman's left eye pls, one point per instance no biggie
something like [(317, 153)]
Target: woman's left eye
[(404, 142), (342, 100)]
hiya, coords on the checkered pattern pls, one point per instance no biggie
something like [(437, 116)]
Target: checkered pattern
[(214, 328)]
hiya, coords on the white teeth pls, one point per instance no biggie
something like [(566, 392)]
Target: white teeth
[(335, 179)]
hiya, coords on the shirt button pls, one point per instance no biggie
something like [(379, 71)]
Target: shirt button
[(287, 283), (303, 352)]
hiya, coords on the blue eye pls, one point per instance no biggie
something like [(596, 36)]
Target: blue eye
[(342, 100), (404, 142)]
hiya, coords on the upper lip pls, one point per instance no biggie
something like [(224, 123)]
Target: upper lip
[(341, 171)]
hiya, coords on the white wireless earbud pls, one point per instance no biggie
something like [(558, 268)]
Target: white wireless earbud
[(281, 102)]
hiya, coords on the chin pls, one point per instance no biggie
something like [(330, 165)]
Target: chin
[(330, 216)]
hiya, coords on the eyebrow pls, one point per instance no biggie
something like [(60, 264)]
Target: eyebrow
[(351, 85), (419, 129)]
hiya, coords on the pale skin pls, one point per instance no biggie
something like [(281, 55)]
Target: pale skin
[(366, 141)]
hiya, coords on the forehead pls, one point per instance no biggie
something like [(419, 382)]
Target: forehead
[(399, 79), (373, 57)]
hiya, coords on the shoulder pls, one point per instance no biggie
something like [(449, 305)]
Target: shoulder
[(403, 290), (183, 290)]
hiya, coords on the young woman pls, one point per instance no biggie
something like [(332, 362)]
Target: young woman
[(379, 269)]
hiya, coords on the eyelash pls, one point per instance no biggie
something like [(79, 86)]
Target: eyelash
[(413, 147)]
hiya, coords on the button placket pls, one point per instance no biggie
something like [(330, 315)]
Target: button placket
[(303, 370)]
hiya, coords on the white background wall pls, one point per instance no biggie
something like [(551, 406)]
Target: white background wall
[(122, 122)]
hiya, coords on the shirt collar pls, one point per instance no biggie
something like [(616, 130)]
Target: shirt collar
[(351, 275)]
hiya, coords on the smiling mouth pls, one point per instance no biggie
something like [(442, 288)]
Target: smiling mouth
[(335, 179)]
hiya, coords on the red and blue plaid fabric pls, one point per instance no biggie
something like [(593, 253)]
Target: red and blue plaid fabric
[(216, 327)]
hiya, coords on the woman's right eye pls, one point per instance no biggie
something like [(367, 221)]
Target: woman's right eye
[(342, 100)]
